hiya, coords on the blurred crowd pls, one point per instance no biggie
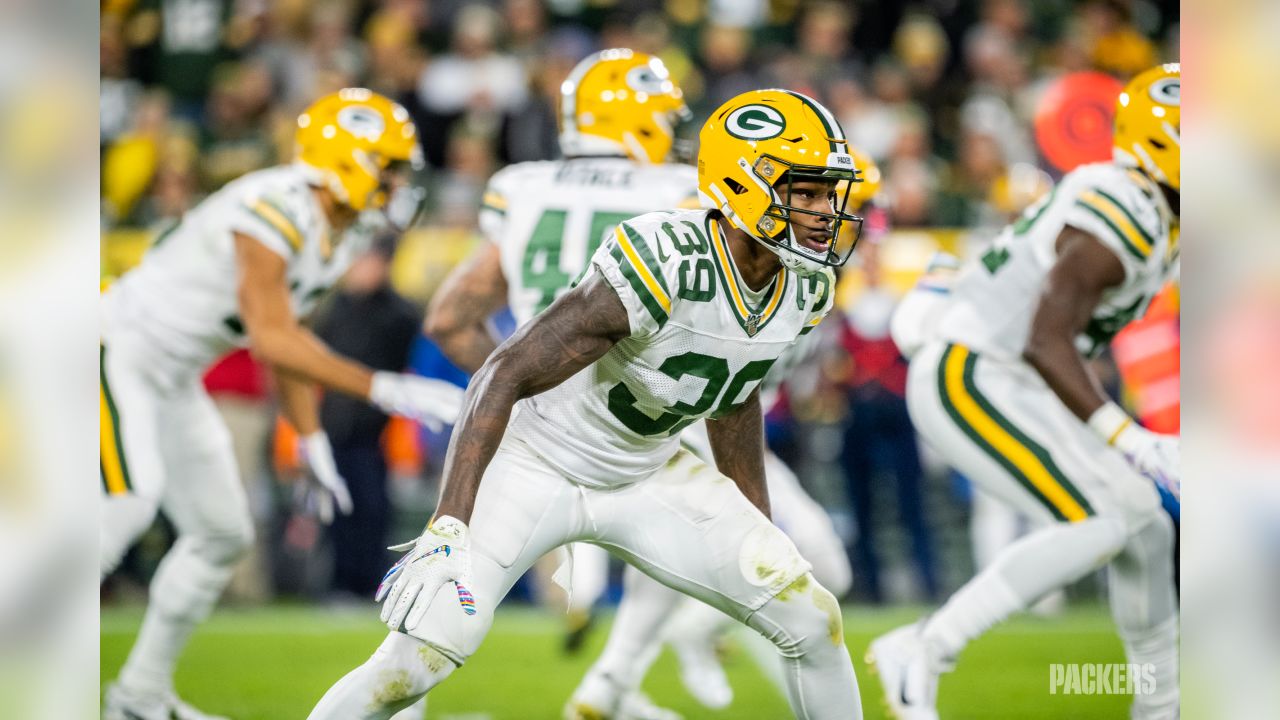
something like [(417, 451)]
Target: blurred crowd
[(943, 94)]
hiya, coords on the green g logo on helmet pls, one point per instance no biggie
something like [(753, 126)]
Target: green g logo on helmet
[(755, 122)]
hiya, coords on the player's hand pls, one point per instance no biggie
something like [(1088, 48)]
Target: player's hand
[(326, 486), (1154, 455), (434, 403), (438, 558)]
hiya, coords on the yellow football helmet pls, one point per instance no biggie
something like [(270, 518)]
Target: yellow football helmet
[(869, 173), (354, 141), (758, 143), (620, 102), (1148, 124)]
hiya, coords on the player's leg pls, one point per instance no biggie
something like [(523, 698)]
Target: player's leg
[(689, 527), (130, 464), (1144, 607), (1006, 432), (206, 504), (635, 639), (523, 510), (588, 579)]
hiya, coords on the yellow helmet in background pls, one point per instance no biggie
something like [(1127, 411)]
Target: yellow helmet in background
[(1148, 124), (620, 102), (350, 138), (753, 147), (869, 173)]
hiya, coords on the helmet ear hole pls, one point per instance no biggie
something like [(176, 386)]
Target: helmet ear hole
[(1156, 143), (737, 187)]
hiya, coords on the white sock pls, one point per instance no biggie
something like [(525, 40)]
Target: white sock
[(1044, 560), (183, 592), (1144, 606)]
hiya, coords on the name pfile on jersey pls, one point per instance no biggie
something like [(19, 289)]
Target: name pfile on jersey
[(701, 342), (182, 298), (994, 298)]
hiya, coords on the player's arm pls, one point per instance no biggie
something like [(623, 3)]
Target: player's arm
[(275, 336), (737, 443), (1084, 270), (457, 318), (298, 401), (574, 332)]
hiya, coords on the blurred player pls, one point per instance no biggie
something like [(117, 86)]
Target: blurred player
[(651, 613), (544, 220), (678, 318), (1003, 391), (238, 271)]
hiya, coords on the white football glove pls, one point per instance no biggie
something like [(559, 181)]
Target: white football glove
[(325, 485), (434, 403), (1155, 455), (441, 555)]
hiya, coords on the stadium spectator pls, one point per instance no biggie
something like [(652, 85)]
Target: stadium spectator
[(879, 441), (366, 321)]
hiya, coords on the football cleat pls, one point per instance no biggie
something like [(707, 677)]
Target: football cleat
[(701, 672), (578, 627), (907, 674), (121, 704), (638, 706)]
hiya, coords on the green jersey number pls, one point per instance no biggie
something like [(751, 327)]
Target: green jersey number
[(540, 269), (995, 258), (680, 414)]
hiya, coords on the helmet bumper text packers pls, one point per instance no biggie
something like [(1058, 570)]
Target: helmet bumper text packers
[(777, 165)]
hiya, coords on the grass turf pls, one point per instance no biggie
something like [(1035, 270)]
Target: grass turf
[(274, 663)]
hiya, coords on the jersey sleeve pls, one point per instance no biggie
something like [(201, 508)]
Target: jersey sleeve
[(631, 261), (273, 219), (1121, 216), (493, 206)]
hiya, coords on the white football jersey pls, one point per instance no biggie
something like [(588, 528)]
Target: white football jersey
[(182, 298), (994, 297), (700, 343), (548, 218)]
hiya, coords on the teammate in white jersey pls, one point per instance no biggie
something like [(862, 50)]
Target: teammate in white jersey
[(571, 428), (238, 271), (1004, 393), (544, 221)]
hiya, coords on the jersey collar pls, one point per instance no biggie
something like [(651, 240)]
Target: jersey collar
[(752, 319)]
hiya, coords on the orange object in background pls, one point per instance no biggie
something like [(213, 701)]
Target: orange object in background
[(401, 445), (1076, 119), (1147, 356)]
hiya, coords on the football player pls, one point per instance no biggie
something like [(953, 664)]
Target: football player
[(570, 430), (238, 271), (544, 220), (651, 613), (1004, 392)]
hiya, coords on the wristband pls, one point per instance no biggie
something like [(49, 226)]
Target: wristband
[(1109, 422)]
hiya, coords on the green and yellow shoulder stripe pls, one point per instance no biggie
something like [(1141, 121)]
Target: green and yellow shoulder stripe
[(639, 265), (1106, 205), (273, 213)]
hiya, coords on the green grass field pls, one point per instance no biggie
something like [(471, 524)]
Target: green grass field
[(273, 664)]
